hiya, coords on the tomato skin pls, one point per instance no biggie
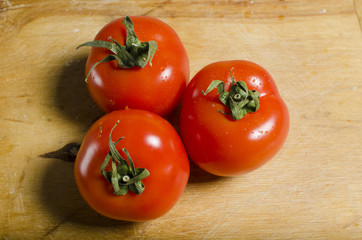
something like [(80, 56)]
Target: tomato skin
[(216, 142), (157, 88), (153, 144)]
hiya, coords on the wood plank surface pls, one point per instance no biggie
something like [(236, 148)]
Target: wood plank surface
[(310, 190)]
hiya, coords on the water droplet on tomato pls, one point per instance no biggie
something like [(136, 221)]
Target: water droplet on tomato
[(99, 135)]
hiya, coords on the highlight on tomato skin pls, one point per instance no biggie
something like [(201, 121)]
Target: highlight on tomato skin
[(217, 142), (152, 79), (152, 144)]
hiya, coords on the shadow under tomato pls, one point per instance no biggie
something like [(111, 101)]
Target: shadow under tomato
[(71, 96), (61, 198), (198, 175), (58, 193), (174, 118)]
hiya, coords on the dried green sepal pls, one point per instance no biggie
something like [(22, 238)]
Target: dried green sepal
[(240, 100), (124, 176), (134, 54)]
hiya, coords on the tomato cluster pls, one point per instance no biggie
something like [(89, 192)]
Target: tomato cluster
[(132, 164)]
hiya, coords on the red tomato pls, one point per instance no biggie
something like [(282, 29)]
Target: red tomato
[(218, 143), (153, 144), (157, 88)]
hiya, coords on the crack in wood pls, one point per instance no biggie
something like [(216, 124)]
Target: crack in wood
[(161, 5), (357, 4), (57, 226)]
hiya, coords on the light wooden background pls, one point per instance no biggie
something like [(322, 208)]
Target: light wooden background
[(310, 190)]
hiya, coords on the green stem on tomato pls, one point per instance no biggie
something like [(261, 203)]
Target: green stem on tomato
[(134, 54), (240, 100), (123, 176)]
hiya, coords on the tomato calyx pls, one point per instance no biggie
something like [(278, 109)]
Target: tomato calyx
[(240, 100), (124, 176), (134, 54)]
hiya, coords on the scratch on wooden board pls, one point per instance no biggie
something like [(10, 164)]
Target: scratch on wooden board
[(20, 203), (18, 120), (7, 5), (27, 96), (161, 5), (195, 215), (135, 231), (356, 9), (140, 230), (59, 224), (353, 222), (217, 224)]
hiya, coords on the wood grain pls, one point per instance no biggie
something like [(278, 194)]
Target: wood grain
[(310, 190)]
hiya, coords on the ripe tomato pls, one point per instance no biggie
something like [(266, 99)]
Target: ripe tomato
[(128, 79), (153, 144), (213, 139)]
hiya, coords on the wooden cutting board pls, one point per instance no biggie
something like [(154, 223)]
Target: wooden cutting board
[(310, 190)]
